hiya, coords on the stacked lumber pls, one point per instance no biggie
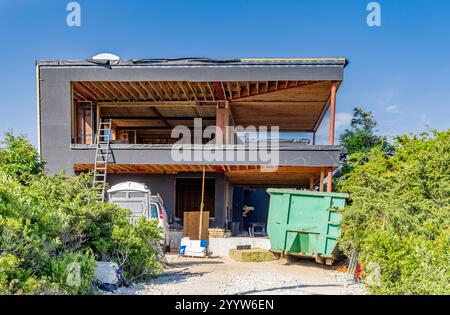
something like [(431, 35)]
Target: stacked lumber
[(254, 254), (217, 233)]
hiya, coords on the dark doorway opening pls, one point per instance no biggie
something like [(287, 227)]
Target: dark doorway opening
[(188, 193), (250, 207)]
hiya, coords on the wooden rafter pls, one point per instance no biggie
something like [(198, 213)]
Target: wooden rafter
[(156, 91), (164, 90), (84, 90), (147, 90), (180, 84), (117, 90), (230, 92), (127, 90), (135, 88), (192, 90), (203, 92), (211, 90)]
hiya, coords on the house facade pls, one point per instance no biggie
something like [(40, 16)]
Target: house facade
[(172, 119)]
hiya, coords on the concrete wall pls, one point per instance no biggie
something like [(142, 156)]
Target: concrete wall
[(164, 184)]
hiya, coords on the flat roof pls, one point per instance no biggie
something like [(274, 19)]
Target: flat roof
[(183, 62)]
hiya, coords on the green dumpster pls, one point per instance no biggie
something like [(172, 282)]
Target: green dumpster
[(305, 223)]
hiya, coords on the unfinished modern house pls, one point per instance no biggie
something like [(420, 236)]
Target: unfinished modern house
[(126, 111)]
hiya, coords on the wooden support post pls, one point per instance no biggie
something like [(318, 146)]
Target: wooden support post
[(311, 182), (331, 133), (222, 119), (330, 180), (201, 205), (332, 112), (322, 175), (97, 119)]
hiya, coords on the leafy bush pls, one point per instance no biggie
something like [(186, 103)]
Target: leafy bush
[(20, 159), (49, 223), (359, 140), (399, 214)]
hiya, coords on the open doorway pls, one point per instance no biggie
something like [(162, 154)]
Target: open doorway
[(188, 195), (250, 210)]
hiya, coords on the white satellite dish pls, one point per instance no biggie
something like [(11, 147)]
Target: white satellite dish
[(106, 56)]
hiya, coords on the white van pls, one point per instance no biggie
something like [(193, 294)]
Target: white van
[(137, 198)]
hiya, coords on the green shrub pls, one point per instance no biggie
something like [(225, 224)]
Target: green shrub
[(52, 226), (20, 159), (399, 214)]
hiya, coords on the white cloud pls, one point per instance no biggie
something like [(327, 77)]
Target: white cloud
[(393, 109)]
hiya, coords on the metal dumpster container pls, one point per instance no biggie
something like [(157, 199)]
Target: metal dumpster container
[(305, 223)]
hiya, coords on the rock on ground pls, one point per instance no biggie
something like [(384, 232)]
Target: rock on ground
[(199, 276)]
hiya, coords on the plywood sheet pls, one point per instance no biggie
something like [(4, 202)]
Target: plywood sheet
[(191, 225)]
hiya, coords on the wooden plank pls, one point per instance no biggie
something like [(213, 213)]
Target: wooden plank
[(191, 225)]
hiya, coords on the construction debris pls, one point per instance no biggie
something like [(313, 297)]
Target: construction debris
[(109, 276), (193, 248), (217, 233)]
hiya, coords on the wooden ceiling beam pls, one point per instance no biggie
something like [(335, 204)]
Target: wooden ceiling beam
[(139, 92), (78, 96), (230, 92), (116, 89), (95, 89), (203, 92), (107, 90), (146, 90), (192, 90), (164, 90), (156, 91), (188, 97), (151, 118), (85, 91), (211, 91), (219, 91), (125, 88), (171, 86), (223, 91), (156, 111), (157, 104)]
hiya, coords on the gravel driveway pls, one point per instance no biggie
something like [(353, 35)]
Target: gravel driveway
[(200, 276)]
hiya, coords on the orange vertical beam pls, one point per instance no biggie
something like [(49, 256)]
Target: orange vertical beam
[(332, 112), (330, 180), (331, 132)]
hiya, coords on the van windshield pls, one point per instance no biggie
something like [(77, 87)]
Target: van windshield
[(154, 211), (137, 208)]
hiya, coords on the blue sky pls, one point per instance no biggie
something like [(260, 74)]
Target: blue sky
[(400, 71)]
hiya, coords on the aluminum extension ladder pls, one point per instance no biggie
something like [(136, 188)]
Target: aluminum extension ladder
[(101, 157)]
